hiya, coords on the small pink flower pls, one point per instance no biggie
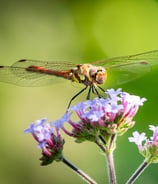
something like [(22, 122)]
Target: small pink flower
[(147, 147)]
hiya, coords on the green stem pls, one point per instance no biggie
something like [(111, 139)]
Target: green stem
[(108, 149), (138, 172), (111, 167), (100, 146), (79, 172)]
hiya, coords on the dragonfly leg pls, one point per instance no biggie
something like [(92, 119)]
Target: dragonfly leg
[(76, 96), (89, 92), (101, 88), (97, 93)]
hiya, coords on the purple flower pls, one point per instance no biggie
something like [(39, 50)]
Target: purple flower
[(114, 95), (147, 147), (49, 140), (40, 131), (100, 117)]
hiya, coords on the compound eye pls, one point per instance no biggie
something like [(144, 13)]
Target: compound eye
[(93, 76), (100, 70), (93, 72), (100, 76)]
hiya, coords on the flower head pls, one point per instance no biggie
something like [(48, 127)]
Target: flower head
[(147, 147), (50, 142), (102, 117)]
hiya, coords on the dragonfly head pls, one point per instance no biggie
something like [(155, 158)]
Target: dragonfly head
[(98, 74), (90, 74)]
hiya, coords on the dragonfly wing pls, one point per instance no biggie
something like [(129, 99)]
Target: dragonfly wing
[(18, 75), (59, 66), (150, 57), (126, 68), (126, 73)]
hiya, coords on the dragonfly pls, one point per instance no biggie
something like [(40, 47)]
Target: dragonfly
[(113, 71)]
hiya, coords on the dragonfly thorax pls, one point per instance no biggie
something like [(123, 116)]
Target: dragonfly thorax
[(89, 74)]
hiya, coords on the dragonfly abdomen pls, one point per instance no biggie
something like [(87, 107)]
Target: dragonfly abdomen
[(65, 74)]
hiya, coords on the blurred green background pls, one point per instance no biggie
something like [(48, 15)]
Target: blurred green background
[(80, 32)]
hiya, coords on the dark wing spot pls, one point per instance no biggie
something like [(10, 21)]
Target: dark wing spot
[(143, 62), (22, 60), (1, 66)]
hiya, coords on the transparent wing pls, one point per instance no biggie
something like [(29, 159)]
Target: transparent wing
[(24, 63), (124, 74), (18, 75), (126, 68)]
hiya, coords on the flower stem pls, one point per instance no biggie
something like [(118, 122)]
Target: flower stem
[(100, 146), (108, 149), (79, 172), (111, 167), (137, 173)]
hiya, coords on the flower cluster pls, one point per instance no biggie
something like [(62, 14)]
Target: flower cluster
[(147, 147), (99, 120), (102, 117), (50, 142)]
